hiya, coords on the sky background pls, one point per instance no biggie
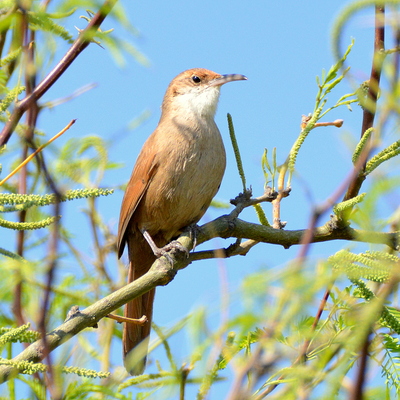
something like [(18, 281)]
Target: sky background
[(280, 47)]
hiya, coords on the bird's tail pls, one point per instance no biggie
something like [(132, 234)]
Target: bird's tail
[(135, 337)]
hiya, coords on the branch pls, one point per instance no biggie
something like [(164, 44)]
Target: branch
[(80, 44), (372, 98), (226, 227), (163, 271)]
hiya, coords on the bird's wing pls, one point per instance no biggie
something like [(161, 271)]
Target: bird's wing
[(142, 175)]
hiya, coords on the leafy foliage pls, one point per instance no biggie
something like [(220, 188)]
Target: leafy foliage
[(275, 340), (391, 362)]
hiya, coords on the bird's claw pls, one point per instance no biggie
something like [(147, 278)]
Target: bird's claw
[(164, 251), (175, 245)]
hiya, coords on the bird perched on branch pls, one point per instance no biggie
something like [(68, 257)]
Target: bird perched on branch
[(176, 175)]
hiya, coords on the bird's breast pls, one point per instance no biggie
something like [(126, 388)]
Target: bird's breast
[(191, 163)]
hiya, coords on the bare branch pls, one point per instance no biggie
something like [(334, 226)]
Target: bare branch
[(227, 227)]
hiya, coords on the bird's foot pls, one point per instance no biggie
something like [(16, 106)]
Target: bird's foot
[(163, 251), (174, 245)]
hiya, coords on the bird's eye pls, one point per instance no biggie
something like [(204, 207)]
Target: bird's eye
[(196, 79)]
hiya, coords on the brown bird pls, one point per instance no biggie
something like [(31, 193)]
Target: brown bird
[(176, 175)]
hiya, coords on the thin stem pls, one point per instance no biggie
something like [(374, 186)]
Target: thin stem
[(372, 96), (80, 44), (358, 388), (35, 153)]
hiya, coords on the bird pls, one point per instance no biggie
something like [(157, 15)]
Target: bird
[(176, 175)]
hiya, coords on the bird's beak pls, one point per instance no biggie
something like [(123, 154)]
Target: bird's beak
[(227, 78)]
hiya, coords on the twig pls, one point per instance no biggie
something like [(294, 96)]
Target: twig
[(83, 40), (337, 123), (36, 152), (282, 193), (372, 97), (184, 373), (358, 387), (244, 200), (236, 151), (236, 249)]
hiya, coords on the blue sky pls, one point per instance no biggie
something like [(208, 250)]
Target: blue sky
[(280, 47)]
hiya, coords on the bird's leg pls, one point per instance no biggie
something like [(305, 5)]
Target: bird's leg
[(138, 321), (163, 251)]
